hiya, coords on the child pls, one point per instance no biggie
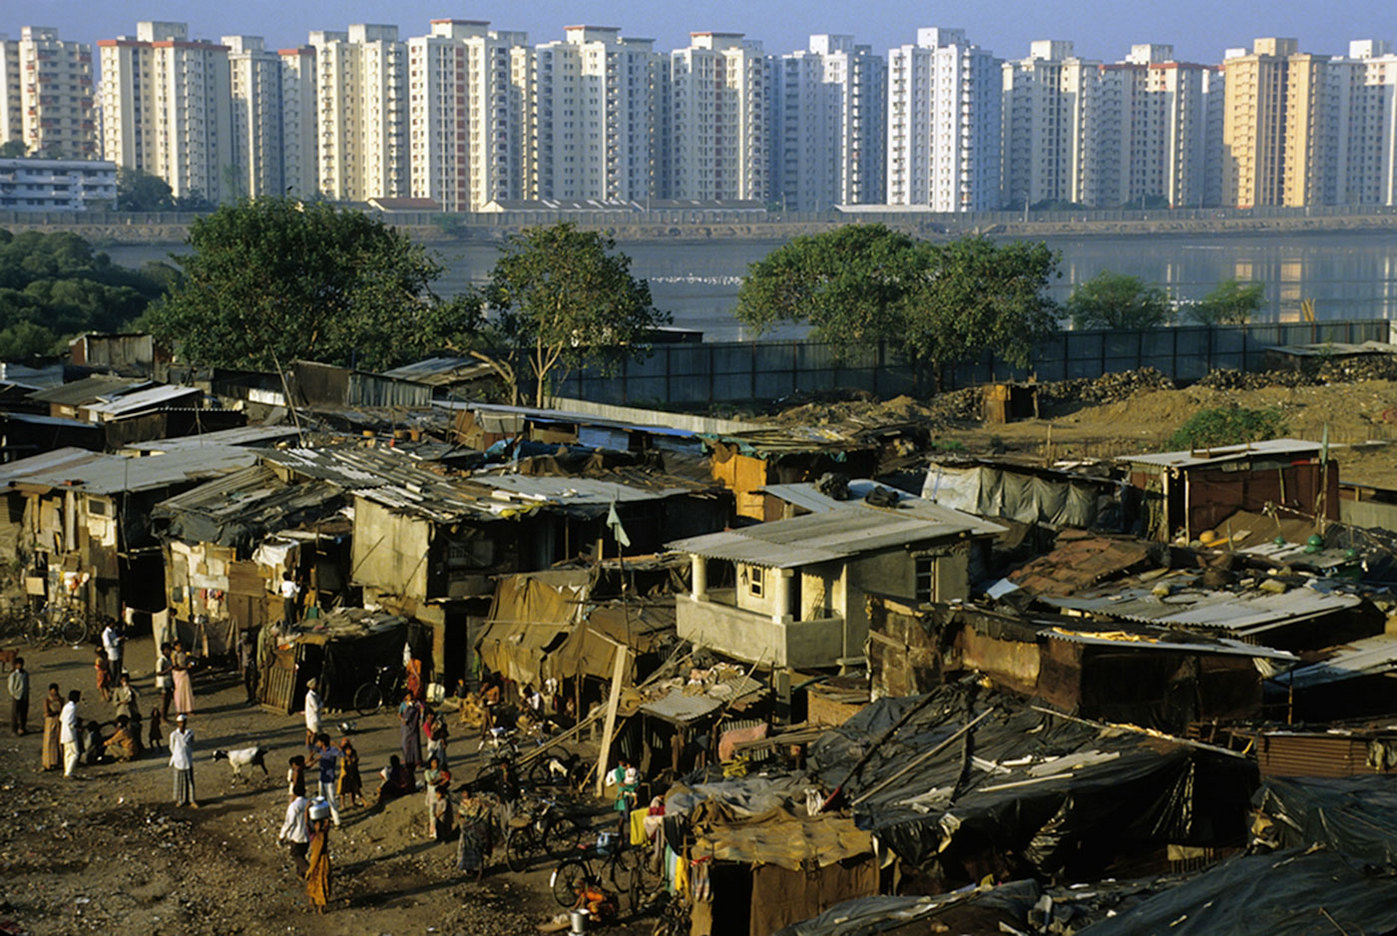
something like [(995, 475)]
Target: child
[(351, 786), (155, 720), (94, 746), (295, 774), (104, 676)]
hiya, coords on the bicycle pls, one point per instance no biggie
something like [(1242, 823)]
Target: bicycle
[(562, 769), (49, 626), (546, 832), (673, 918), (386, 684), (608, 860)]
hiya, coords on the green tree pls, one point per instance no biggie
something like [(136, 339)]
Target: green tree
[(273, 280), (1230, 303), (13, 149), (938, 304), (1116, 300), (138, 190), (564, 298)]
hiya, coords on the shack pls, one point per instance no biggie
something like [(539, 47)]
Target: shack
[(790, 594), (1089, 496), (81, 521), (748, 462), (1184, 494), (342, 650), (1353, 680)]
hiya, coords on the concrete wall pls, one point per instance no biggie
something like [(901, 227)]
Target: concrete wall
[(755, 638), (1369, 514)]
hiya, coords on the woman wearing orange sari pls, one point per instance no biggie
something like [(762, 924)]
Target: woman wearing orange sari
[(53, 708), (318, 875)]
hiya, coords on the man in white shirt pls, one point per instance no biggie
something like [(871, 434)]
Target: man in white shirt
[(312, 715), (289, 592), (182, 761), (69, 732), (164, 679), (111, 642), (295, 831)]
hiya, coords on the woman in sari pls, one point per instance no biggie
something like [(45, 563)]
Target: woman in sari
[(318, 857), (351, 785), (184, 689), (410, 714), (53, 708)]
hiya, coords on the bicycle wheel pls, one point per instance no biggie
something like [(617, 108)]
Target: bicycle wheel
[(74, 630), (620, 868), (519, 846), (567, 877), (367, 698), (564, 836)]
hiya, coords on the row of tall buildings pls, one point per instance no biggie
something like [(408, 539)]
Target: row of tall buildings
[(468, 116)]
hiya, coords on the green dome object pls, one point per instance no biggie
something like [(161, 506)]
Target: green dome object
[(1350, 553), (1279, 540), (1315, 540)]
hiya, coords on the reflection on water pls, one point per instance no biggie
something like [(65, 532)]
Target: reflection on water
[(1348, 275)]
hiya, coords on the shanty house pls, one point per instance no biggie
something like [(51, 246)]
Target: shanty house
[(1189, 493), (791, 593)]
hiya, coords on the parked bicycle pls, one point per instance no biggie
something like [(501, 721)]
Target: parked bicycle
[(557, 769), (386, 686), (499, 776), (49, 626), (607, 861), (545, 831)]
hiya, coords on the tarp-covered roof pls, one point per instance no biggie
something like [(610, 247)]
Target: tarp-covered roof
[(850, 530), (530, 616), (244, 506), (779, 837)]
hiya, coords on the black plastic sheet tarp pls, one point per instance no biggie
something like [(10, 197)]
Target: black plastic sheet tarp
[(1286, 893), (1055, 795), (1353, 815), (868, 916)]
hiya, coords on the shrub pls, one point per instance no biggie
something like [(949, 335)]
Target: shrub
[(1228, 425)]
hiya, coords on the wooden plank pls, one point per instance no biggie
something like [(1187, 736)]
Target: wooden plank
[(620, 665)]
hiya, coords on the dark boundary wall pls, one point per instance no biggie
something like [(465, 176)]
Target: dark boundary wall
[(740, 371)]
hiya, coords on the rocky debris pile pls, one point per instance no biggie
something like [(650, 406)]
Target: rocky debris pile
[(1313, 372), (1108, 388)]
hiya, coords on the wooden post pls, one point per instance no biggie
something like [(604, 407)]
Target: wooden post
[(618, 673)]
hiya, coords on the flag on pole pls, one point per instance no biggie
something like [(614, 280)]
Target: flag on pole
[(613, 520)]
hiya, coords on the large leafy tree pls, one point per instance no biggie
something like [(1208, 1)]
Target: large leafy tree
[(938, 304), (563, 297), (1230, 303), (271, 280), (1116, 300)]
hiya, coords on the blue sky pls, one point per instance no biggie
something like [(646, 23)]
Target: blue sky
[(1198, 29)]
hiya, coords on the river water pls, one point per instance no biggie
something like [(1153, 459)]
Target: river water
[(1348, 275)]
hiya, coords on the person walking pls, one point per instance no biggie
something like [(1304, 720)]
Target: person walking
[(111, 643), (312, 706), (70, 731), (164, 680), (318, 875), (53, 728), (329, 774), (295, 831), (184, 686), (410, 715), (19, 698), (182, 762)]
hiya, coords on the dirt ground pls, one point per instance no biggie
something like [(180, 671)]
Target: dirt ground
[(109, 852)]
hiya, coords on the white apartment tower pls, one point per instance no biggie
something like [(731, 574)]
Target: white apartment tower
[(300, 162), (1367, 89), (255, 84), (596, 100), (362, 113), (827, 125), (1149, 132), (167, 108), (1047, 99), (469, 132), (944, 123), (719, 133), (47, 101)]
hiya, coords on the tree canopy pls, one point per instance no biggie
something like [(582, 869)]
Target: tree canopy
[(272, 280), (562, 297), (936, 303), (1116, 300), (55, 286), (1230, 303)]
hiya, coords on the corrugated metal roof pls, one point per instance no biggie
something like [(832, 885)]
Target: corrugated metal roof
[(438, 371), (242, 435), (564, 416), (56, 421), (391, 478), (575, 490), (680, 707), (88, 389), (851, 529), (1224, 646), (137, 400), (99, 473), (1224, 453), (1242, 613), (1369, 657)]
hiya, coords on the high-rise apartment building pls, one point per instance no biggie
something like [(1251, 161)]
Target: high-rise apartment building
[(167, 109), (362, 113), (1047, 100), (719, 133), (944, 123), (1149, 132), (1254, 131), (47, 101), (469, 132), (597, 96), (1368, 144), (255, 84), (300, 146), (827, 120)]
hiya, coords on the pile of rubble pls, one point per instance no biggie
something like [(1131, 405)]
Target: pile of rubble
[(1108, 388)]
